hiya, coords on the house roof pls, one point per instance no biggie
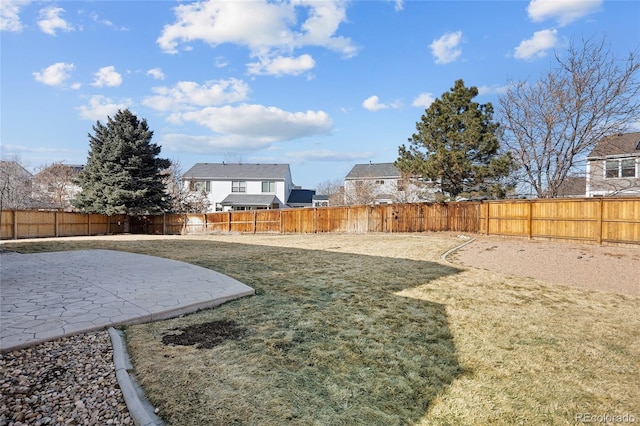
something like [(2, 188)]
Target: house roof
[(14, 168), (373, 171), (227, 171), (301, 196), (573, 186), (250, 200), (75, 168), (620, 144)]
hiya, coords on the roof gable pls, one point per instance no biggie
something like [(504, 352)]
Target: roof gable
[(617, 145), (228, 171), (373, 171)]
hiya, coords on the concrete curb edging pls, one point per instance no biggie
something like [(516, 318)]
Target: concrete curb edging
[(448, 252), (141, 411)]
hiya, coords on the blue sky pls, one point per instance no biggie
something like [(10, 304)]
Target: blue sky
[(321, 85)]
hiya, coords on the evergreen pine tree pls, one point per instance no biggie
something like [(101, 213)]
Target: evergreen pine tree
[(457, 146), (122, 174)]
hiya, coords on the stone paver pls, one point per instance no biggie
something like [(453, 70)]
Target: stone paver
[(45, 296)]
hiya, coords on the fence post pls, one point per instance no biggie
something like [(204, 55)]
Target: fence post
[(55, 215), (599, 225), (488, 210), (529, 230), (255, 221), (15, 224)]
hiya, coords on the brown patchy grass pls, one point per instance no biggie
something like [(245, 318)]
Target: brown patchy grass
[(373, 329)]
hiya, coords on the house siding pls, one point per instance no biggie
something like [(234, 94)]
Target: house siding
[(600, 185)]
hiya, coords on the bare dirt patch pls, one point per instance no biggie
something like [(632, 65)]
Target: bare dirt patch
[(206, 335), (614, 269)]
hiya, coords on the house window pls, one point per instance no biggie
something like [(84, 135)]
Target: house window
[(379, 182), (625, 168), (612, 169), (268, 186), (238, 186), (628, 168), (201, 186)]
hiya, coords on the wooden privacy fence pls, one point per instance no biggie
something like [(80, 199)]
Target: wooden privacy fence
[(419, 217), (596, 220), (37, 224)]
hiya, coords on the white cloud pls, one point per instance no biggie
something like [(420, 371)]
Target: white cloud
[(399, 5), (537, 46), (491, 90), (50, 20), (258, 122), (446, 48), (101, 107), (212, 144), (156, 73), (268, 29), (563, 11), (10, 14), (372, 103), (282, 65), (423, 100), (107, 76), (106, 22), (324, 19), (221, 62), (54, 75), (188, 94)]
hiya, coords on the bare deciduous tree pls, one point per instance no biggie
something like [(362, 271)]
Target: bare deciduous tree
[(410, 189), (15, 186), (333, 189), (361, 191), (54, 185), (183, 200), (552, 124)]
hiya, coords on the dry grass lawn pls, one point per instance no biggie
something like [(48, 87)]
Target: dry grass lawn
[(376, 330)]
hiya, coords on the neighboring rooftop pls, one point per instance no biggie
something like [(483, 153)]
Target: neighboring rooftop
[(250, 200), (226, 171), (301, 197), (374, 170), (617, 145), (573, 186)]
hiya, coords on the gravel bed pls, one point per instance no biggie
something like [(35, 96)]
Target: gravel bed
[(70, 381)]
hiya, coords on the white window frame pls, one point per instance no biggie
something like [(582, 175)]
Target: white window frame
[(271, 186), (620, 170), (238, 186)]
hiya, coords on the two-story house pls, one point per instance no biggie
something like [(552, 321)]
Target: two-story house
[(613, 167), (239, 186), (382, 183)]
